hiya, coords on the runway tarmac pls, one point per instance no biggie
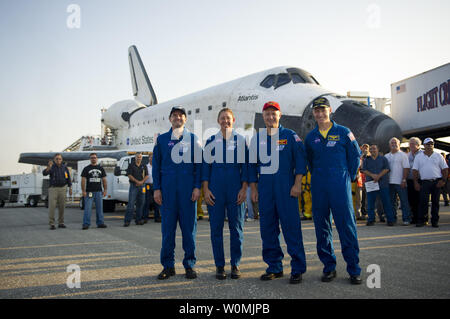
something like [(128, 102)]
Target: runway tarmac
[(119, 262)]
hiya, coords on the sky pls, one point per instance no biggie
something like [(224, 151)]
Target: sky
[(60, 66)]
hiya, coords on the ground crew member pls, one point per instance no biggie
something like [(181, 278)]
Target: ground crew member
[(59, 180), (93, 177), (333, 157), (432, 169), (149, 201), (275, 182), (137, 174), (356, 196), (200, 212), (177, 160), (225, 182), (304, 201)]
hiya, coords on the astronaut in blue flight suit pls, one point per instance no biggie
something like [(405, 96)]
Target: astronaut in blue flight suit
[(177, 160), (277, 163), (225, 182), (333, 158)]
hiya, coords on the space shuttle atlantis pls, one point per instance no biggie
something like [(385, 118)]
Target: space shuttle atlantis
[(136, 123)]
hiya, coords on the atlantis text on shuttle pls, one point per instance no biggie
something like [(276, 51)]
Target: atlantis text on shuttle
[(244, 98)]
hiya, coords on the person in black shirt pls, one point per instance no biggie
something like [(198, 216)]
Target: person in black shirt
[(92, 178), (59, 180), (137, 174)]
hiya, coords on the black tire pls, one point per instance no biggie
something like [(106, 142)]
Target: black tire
[(33, 201)]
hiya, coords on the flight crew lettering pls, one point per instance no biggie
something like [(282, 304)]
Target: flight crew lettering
[(333, 161), (176, 181), (225, 177), (277, 193)]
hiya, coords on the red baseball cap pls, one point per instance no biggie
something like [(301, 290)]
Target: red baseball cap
[(272, 104)]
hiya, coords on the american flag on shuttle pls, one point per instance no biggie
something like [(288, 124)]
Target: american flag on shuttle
[(400, 88)]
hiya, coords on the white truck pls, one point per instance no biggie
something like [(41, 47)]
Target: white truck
[(421, 103), (117, 180), (23, 189)]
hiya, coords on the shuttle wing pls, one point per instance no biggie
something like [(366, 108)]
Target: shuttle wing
[(70, 158)]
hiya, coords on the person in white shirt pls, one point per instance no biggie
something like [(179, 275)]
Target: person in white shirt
[(399, 169), (432, 170), (149, 201), (413, 195)]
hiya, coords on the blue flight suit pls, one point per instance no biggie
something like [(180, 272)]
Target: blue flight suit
[(176, 172), (276, 205), (225, 170), (334, 162)]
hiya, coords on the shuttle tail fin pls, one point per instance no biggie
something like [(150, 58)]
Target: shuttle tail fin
[(142, 88)]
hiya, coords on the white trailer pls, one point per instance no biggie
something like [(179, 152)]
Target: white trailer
[(23, 189), (421, 103), (116, 178)]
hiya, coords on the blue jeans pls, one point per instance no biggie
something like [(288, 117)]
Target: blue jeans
[(395, 189), (135, 197), (98, 198), (387, 205)]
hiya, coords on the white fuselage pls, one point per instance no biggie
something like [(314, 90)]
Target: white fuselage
[(244, 96)]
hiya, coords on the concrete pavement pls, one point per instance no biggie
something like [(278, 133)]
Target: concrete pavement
[(119, 262)]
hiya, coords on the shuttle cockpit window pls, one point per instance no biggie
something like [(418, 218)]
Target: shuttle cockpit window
[(297, 78), (269, 81), (293, 74), (282, 79), (275, 80), (301, 76)]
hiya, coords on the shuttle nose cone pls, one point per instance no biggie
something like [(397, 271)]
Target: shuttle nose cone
[(385, 130), (367, 124)]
